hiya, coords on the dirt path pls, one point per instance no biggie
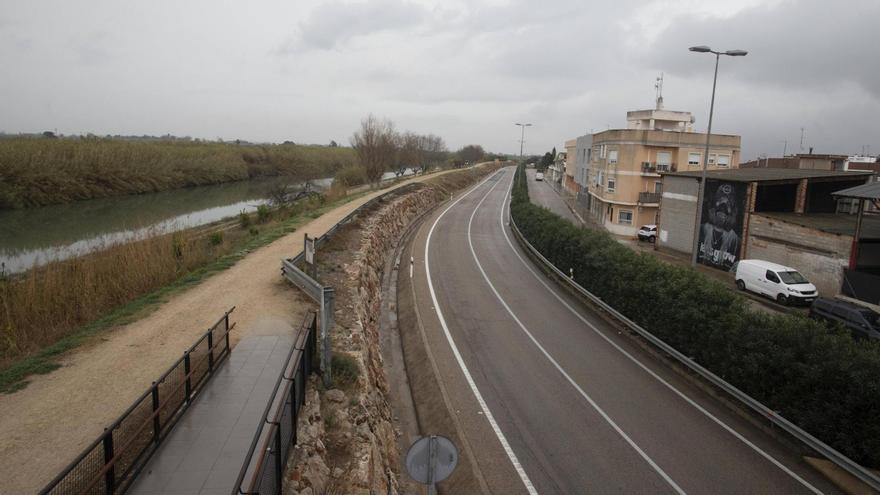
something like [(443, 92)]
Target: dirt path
[(44, 426)]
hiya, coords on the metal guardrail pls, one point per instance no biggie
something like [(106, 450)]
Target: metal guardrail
[(857, 470), (263, 467), (111, 463)]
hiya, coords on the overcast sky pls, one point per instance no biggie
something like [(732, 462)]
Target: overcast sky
[(308, 71)]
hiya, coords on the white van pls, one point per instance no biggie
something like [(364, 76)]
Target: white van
[(779, 282)]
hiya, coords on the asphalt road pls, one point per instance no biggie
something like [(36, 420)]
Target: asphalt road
[(549, 397)]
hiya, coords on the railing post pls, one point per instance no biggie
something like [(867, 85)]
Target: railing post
[(157, 426), (188, 387), (211, 351), (278, 468), (110, 475), (227, 331)]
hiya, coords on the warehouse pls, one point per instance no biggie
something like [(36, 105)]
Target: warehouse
[(786, 216)]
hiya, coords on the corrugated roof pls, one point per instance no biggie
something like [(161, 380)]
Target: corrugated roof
[(770, 174), (865, 191)]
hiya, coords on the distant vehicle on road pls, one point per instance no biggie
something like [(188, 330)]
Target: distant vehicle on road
[(861, 321), (783, 283), (539, 176), (648, 233)]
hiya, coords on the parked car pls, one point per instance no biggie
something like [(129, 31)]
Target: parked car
[(539, 176), (648, 233), (861, 321), (783, 283)]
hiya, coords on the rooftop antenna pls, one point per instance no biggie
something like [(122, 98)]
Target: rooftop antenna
[(658, 87), (802, 139)]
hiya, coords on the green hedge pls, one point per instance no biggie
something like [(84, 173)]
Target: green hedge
[(820, 379)]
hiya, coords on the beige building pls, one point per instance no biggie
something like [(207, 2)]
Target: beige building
[(568, 177), (623, 173)]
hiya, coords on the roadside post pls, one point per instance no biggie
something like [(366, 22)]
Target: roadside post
[(328, 295), (309, 248)]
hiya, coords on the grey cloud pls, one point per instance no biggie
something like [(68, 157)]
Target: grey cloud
[(333, 24), (798, 44)]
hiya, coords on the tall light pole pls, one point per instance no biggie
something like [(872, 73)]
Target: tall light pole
[(522, 137), (702, 188)]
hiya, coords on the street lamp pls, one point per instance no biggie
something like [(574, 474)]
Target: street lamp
[(522, 137), (702, 188)]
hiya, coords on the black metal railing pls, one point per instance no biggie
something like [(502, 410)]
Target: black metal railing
[(649, 197), (263, 468), (110, 463)]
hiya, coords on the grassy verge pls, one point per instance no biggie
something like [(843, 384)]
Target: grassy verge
[(41, 356)]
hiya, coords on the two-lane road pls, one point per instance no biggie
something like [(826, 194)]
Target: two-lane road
[(549, 397)]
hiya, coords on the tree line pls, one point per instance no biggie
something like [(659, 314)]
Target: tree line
[(380, 148)]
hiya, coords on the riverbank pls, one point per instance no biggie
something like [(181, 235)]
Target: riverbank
[(37, 171), (46, 424)]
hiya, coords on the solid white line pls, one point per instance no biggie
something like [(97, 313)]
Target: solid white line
[(648, 370), (570, 380), (486, 412)]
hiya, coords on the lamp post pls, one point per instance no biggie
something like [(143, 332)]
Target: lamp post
[(702, 187), (522, 137)]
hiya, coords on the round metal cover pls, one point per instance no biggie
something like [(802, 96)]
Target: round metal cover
[(431, 459)]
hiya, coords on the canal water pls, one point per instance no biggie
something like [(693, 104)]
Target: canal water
[(34, 236)]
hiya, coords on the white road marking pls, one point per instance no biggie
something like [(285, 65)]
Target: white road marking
[(507, 449), (645, 368), (559, 368)]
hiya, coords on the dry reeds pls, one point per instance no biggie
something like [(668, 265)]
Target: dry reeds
[(35, 172)]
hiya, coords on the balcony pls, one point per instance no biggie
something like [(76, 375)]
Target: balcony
[(649, 198)]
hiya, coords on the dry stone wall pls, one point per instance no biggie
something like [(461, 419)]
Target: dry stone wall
[(357, 423)]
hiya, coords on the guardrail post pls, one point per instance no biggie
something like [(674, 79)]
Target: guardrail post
[(211, 351), (157, 426), (110, 475), (188, 387), (327, 297)]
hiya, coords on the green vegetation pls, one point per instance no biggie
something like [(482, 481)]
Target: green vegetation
[(345, 369), (36, 172), (823, 381), (54, 308), (350, 176)]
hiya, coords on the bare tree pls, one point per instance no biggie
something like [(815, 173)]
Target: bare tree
[(375, 146), (411, 152), (434, 151), (471, 153)]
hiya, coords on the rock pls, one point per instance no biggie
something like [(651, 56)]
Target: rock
[(337, 472), (335, 395)]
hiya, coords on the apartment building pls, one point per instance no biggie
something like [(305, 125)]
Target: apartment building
[(623, 182), (568, 179)]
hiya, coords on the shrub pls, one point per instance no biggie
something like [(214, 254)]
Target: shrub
[(345, 369), (254, 231), (353, 175), (263, 213), (823, 381), (216, 238), (244, 220)]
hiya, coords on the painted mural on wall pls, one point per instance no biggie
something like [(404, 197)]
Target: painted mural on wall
[(722, 228)]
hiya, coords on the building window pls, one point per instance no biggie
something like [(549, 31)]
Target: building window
[(600, 178), (724, 161), (694, 159), (712, 159), (625, 217), (611, 184), (612, 157), (664, 158), (604, 151), (658, 187)]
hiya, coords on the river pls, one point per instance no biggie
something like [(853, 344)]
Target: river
[(33, 236)]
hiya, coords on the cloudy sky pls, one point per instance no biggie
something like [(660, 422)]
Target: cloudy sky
[(309, 70)]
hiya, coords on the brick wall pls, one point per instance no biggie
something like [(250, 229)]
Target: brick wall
[(819, 256)]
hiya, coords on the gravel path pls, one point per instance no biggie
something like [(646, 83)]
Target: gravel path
[(47, 424)]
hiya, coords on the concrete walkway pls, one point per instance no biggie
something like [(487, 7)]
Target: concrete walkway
[(206, 448)]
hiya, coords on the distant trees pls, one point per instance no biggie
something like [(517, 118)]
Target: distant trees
[(546, 160), (471, 153), (380, 148)]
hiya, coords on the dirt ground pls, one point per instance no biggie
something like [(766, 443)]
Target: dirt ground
[(44, 426)]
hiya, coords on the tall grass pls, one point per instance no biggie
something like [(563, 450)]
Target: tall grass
[(35, 172)]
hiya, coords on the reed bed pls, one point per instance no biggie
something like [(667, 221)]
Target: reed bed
[(36, 172)]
